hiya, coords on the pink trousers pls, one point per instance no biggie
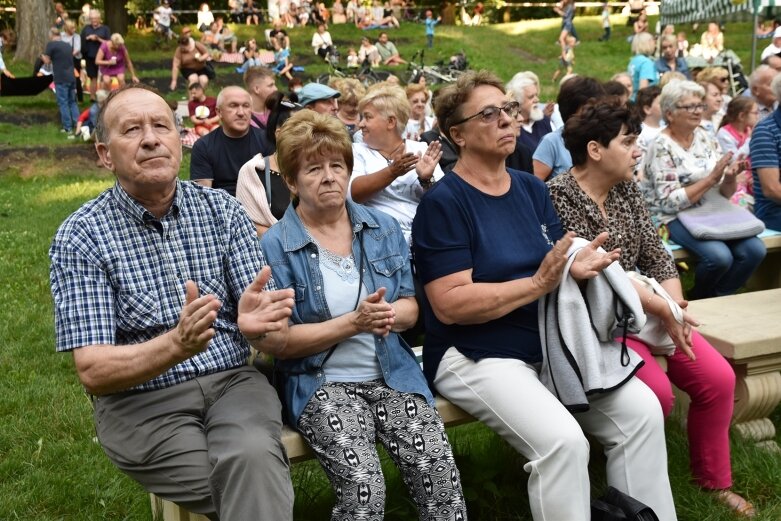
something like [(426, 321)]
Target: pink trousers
[(710, 383)]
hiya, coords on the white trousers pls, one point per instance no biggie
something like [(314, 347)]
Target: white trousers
[(507, 395)]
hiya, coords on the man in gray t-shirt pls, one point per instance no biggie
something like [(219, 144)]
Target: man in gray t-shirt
[(61, 56), (388, 52)]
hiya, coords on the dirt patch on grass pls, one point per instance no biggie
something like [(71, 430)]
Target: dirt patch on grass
[(30, 117), (73, 158), (526, 55)]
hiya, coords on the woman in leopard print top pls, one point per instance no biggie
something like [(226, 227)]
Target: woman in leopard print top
[(597, 195)]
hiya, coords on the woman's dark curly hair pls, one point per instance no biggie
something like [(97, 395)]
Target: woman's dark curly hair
[(599, 120)]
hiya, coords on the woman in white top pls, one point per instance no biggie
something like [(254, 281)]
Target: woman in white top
[(419, 122), (205, 17), (322, 43), (368, 51), (391, 173)]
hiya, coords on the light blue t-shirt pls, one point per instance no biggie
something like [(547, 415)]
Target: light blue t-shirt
[(552, 152), (354, 360), (642, 67), (430, 23)]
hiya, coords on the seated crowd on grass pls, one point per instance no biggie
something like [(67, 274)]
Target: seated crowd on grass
[(451, 217)]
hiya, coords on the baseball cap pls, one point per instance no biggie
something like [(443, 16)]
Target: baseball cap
[(312, 92), (777, 33)]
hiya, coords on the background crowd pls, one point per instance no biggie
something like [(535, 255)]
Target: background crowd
[(670, 137)]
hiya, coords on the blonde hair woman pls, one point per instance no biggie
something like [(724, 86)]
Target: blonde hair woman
[(642, 68), (417, 96), (112, 60)]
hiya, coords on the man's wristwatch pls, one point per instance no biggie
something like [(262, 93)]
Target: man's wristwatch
[(426, 183)]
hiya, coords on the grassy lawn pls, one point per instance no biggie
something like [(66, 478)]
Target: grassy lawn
[(51, 468)]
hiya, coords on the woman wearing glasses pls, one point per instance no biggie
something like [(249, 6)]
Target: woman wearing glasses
[(682, 164), (487, 244)]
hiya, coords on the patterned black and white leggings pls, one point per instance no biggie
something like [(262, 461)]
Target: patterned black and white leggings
[(343, 421)]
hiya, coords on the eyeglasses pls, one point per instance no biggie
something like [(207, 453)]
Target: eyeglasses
[(691, 109), (491, 114)]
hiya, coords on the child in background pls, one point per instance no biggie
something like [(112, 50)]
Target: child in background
[(251, 56), (352, 58), (683, 45), (85, 124), (430, 23), (282, 64), (605, 22), (567, 59)]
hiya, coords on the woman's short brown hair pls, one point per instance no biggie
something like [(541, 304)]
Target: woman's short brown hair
[(308, 134), (415, 88), (352, 91), (599, 120), (450, 99)]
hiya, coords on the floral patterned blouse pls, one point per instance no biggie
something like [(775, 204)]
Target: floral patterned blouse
[(628, 224), (669, 168)]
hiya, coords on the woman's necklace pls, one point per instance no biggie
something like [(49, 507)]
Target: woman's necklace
[(389, 158), (344, 267)]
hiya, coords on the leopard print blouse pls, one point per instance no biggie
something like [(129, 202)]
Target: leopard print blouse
[(628, 223)]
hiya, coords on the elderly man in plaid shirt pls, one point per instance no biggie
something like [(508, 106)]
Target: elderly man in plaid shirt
[(159, 289)]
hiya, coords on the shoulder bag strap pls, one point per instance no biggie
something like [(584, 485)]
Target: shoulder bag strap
[(268, 180)]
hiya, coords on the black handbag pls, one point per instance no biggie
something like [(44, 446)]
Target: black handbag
[(617, 506)]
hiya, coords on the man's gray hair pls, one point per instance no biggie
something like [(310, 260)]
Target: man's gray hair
[(517, 86), (101, 131), (220, 95), (760, 71), (775, 86)]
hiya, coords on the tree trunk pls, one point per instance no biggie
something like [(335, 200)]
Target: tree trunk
[(34, 18), (116, 16)]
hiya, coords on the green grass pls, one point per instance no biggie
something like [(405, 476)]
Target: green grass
[(51, 469)]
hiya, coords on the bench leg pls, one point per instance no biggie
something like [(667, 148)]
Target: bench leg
[(163, 510), (757, 394)]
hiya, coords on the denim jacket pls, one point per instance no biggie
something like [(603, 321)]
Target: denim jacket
[(294, 262)]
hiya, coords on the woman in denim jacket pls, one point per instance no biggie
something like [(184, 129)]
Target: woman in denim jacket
[(349, 378)]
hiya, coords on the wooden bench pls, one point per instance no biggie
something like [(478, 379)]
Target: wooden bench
[(746, 329), (767, 276)]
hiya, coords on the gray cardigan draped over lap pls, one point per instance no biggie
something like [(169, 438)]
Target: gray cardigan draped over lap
[(578, 327)]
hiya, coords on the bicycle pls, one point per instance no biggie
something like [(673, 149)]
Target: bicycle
[(439, 73), (365, 73)]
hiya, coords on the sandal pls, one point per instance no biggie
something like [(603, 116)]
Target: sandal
[(736, 503)]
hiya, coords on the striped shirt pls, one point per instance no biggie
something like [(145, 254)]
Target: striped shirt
[(118, 274), (765, 149)]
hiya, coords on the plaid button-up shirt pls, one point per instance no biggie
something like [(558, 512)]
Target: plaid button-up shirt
[(118, 273)]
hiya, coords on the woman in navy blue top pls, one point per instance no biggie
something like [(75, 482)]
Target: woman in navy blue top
[(487, 244)]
